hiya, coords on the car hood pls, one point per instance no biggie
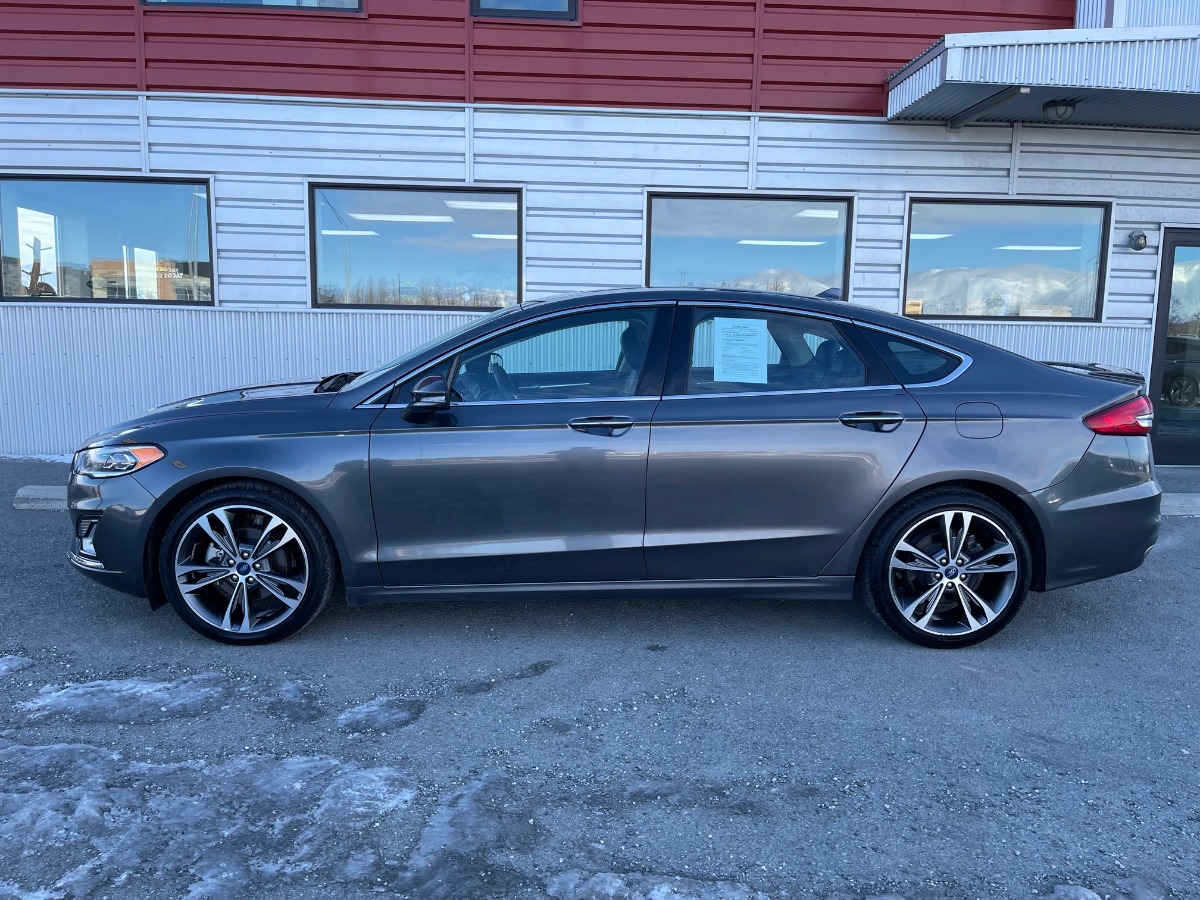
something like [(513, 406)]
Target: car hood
[(289, 397)]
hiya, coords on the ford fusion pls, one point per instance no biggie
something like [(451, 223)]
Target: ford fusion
[(648, 443)]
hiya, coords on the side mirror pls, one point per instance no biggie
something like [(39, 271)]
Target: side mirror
[(430, 395)]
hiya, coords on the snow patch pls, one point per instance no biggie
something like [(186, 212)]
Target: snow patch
[(42, 457), (87, 819), (10, 664), (620, 886), (129, 700), (381, 714)]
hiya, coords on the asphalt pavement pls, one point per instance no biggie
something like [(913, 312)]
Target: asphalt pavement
[(599, 749)]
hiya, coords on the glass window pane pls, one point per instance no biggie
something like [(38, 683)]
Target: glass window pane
[(105, 240), (530, 9), (738, 351), (597, 354), (526, 5), (792, 246), (912, 362), (315, 4), (1004, 259), (396, 247)]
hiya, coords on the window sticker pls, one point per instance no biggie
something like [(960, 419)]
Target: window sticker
[(740, 350)]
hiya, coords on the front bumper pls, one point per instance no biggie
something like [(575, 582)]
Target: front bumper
[(115, 555), (1104, 519)]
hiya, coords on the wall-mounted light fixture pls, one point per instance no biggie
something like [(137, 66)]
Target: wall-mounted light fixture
[(1138, 240), (1058, 110)]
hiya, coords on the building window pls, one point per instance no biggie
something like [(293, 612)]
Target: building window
[(980, 259), (527, 9), (416, 247), (797, 246), (352, 5), (83, 239)]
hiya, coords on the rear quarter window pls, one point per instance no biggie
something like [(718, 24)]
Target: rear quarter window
[(911, 362)]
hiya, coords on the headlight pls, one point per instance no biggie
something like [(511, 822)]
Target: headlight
[(105, 462)]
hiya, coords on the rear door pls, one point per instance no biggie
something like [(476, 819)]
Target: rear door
[(777, 434)]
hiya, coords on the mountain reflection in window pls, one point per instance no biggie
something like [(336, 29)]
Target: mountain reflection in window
[(1004, 260), (791, 245)]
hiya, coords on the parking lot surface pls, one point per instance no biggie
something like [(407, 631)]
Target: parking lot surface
[(608, 749)]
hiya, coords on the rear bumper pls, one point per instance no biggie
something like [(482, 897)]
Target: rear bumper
[(1104, 519)]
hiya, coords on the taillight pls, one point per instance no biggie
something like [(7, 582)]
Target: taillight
[(1134, 416)]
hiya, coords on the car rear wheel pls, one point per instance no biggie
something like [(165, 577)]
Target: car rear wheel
[(247, 564), (1182, 391), (947, 569)]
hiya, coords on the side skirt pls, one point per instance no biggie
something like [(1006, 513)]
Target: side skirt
[(825, 587)]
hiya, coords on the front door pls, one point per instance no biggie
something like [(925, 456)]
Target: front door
[(537, 471), (1175, 376)]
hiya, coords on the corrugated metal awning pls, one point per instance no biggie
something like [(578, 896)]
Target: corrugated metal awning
[(1118, 77)]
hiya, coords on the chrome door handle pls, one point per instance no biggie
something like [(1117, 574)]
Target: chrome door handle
[(875, 420), (610, 425)]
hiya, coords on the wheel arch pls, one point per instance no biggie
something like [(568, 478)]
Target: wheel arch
[(170, 503), (1012, 500)]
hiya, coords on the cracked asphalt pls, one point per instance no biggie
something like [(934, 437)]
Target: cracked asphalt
[(606, 749)]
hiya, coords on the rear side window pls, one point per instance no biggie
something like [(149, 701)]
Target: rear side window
[(912, 362)]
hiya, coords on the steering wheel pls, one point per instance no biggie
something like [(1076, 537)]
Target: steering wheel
[(506, 387)]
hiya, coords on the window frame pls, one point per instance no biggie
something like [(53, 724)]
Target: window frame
[(311, 188), (848, 251), (570, 15), (1106, 206), (206, 181)]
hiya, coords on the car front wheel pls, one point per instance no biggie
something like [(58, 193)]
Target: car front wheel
[(948, 569), (247, 564)]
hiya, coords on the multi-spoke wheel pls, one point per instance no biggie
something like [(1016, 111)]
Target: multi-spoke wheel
[(247, 564), (947, 569), (1182, 391)]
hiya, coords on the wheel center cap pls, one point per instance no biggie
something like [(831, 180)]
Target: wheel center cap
[(243, 568), (951, 571)]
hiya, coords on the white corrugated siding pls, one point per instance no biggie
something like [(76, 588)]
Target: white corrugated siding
[(1154, 13), (585, 174), (68, 371), (1091, 13)]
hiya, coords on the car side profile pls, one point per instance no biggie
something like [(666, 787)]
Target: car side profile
[(642, 443)]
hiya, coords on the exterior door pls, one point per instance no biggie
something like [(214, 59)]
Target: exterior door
[(1175, 375), (536, 473), (777, 436)]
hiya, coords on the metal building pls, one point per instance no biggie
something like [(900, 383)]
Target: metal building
[(196, 197)]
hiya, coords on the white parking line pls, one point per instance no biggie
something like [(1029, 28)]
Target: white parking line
[(41, 496)]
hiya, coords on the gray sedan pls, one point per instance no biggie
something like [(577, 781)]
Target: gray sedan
[(645, 443)]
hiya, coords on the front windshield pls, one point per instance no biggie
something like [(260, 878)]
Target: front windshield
[(417, 351)]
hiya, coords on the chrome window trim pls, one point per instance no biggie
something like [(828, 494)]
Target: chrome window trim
[(472, 403), (841, 390), (372, 401)]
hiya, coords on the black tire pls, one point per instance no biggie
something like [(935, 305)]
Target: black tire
[(284, 571), (1182, 391), (890, 577)]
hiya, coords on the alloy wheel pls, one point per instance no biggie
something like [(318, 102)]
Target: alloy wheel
[(241, 569), (953, 572)]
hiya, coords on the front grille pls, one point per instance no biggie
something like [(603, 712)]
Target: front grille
[(83, 528)]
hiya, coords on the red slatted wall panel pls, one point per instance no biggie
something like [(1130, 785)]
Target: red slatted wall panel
[(827, 57)]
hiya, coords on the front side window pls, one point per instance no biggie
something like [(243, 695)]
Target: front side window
[(794, 246), (527, 9), (76, 239), (585, 355), (741, 351), (417, 248), (353, 5), (1005, 260)]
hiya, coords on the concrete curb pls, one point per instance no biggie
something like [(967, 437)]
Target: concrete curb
[(54, 497)]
